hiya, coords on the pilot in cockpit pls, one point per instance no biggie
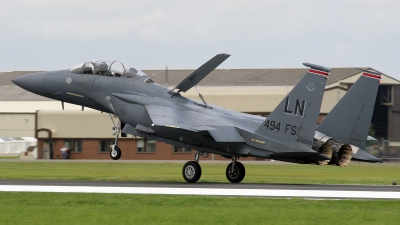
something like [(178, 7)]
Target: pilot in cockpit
[(88, 68), (102, 69)]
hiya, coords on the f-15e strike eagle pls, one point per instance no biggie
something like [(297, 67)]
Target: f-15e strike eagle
[(148, 110)]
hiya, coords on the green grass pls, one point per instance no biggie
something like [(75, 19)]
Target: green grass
[(67, 208), (9, 157), (355, 173), (75, 208)]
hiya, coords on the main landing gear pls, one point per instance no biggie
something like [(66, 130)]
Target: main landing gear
[(115, 152), (191, 171), (235, 171)]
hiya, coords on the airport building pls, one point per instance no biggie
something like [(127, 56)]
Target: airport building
[(88, 133)]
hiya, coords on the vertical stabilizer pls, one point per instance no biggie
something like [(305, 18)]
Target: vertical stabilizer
[(295, 118), (350, 119)]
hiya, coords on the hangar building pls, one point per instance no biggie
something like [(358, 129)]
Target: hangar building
[(256, 91)]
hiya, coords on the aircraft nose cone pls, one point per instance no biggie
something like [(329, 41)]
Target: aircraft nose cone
[(32, 82)]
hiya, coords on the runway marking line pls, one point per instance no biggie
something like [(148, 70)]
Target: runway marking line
[(205, 191)]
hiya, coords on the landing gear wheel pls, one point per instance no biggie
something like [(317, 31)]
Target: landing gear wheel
[(115, 152), (238, 173), (191, 171)]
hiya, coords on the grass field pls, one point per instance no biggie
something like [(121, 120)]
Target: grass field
[(66, 208), (355, 173), (9, 157), (73, 208)]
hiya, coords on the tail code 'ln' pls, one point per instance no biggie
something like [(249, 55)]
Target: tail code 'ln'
[(295, 118)]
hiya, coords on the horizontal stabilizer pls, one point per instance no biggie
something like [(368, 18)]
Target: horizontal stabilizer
[(364, 156), (305, 155), (198, 75)]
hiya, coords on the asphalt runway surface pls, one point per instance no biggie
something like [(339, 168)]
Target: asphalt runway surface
[(207, 189)]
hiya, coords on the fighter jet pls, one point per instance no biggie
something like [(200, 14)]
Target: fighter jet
[(148, 110)]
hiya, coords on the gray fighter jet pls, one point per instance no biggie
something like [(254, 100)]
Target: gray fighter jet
[(146, 109)]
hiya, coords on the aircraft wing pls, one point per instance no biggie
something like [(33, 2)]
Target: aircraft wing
[(193, 121)]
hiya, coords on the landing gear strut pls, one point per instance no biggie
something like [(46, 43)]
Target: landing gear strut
[(191, 171), (115, 152), (235, 171)]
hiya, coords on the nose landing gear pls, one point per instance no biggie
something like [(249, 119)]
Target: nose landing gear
[(115, 152)]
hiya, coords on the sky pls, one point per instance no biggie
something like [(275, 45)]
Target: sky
[(151, 34)]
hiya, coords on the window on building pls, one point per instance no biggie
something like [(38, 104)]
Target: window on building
[(74, 145), (146, 146), (78, 146), (178, 149), (140, 145), (68, 144), (386, 94), (105, 145), (151, 146)]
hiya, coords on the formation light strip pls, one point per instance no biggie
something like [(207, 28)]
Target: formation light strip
[(76, 95)]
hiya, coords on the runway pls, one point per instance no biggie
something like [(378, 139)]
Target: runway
[(207, 189)]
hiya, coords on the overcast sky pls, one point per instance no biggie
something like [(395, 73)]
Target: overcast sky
[(52, 35)]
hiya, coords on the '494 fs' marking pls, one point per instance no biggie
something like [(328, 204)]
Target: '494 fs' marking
[(276, 126)]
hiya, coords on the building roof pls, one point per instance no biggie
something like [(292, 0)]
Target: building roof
[(219, 77), (248, 77), (11, 92)]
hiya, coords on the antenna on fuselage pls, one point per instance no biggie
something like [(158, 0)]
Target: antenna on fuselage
[(166, 76)]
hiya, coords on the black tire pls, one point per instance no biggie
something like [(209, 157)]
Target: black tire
[(238, 173), (115, 153), (191, 172)]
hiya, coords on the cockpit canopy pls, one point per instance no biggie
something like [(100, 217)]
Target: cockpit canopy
[(107, 67)]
